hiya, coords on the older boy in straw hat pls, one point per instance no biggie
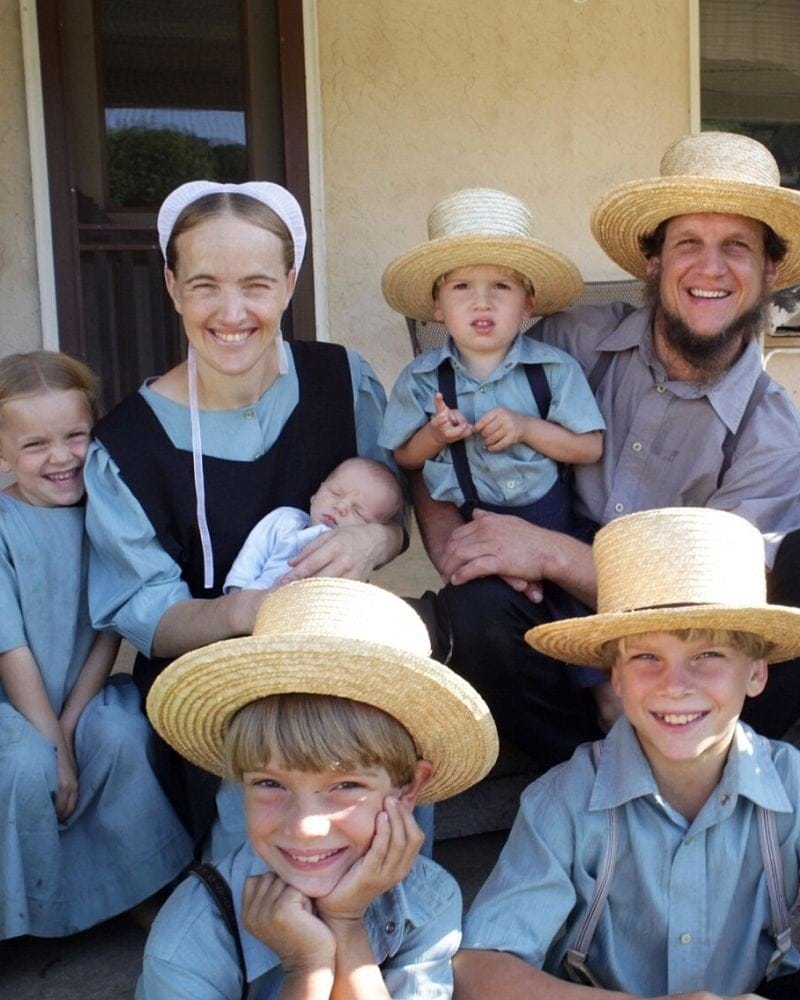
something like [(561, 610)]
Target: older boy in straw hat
[(691, 420), (659, 862), (490, 414), (336, 721)]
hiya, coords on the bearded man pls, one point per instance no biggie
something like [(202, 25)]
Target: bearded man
[(691, 419)]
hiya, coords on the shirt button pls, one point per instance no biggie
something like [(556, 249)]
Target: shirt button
[(725, 799), (510, 484), (686, 938), (249, 414), (482, 388), (390, 927), (661, 388), (637, 446), (619, 507)]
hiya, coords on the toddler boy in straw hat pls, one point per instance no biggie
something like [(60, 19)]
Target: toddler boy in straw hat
[(490, 414), (336, 721), (660, 861)]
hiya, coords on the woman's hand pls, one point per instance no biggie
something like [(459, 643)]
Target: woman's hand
[(352, 552)]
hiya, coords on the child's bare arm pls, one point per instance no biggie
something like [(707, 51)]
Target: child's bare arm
[(93, 675), (500, 428), (19, 674), (444, 427), (477, 973)]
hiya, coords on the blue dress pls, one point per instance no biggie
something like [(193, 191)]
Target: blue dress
[(123, 842)]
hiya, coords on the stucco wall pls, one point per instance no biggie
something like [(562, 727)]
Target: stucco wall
[(552, 100), (20, 323)]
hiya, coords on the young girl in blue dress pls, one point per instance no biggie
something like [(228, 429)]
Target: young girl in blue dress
[(86, 829)]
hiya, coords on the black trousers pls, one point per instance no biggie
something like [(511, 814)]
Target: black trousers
[(534, 699)]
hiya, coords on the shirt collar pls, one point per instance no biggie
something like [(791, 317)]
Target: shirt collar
[(624, 773), (728, 395)]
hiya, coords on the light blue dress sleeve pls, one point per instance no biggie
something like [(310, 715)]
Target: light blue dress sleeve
[(132, 580), (12, 627), (369, 400)]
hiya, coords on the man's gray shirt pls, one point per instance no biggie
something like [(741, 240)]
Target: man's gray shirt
[(663, 442)]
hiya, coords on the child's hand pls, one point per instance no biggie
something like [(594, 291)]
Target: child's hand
[(283, 918), (394, 847), (500, 428), (448, 425), (67, 779)]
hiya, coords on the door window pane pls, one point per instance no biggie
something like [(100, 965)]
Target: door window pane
[(173, 87)]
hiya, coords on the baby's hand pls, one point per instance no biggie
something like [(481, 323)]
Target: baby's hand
[(283, 918), (395, 845), (448, 425), (500, 428)]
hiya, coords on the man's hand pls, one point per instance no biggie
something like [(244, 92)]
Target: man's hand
[(283, 918), (395, 845), (500, 428), (448, 425)]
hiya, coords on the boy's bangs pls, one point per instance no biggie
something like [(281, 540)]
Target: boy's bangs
[(310, 732), (755, 647)]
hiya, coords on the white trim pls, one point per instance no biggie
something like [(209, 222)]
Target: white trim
[(315, 167), (40, 186), (695, 111)]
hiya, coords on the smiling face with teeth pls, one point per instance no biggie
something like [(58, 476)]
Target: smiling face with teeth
[(312, 826), (684, 697), (230, 287), (712, 270), (43, 443)]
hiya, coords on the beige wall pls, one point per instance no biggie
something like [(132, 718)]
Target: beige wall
[(20, 322), (552, 100)]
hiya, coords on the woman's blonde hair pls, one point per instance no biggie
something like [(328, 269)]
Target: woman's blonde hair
[(315, 732), (38, 371), (754, 647), (241, 206)]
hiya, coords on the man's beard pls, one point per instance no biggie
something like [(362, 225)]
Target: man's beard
[(711, 355)]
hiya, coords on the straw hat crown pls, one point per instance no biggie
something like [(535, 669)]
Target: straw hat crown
[(718, 172), (330, 637), (675, 568), (479, 226)]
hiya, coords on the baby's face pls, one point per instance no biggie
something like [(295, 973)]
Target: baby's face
[(352, 495)]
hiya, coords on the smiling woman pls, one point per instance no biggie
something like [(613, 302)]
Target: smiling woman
[(183, 469)]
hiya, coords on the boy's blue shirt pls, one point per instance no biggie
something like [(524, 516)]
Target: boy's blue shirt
[(514, 477), (688, 906), (414, 930)]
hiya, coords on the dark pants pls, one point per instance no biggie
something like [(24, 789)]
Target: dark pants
[(535, 700)]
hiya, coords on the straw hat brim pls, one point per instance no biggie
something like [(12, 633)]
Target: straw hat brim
[(635, 209), (193, 700), (580, 640), (408, 281)]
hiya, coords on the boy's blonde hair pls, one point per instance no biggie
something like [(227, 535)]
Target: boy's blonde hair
[(314, 732), (754, 647), (37, 371)]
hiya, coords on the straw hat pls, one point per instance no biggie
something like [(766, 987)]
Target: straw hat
[(676, 568), (479, 226), (333, 637), (282, 202), (709, 172)]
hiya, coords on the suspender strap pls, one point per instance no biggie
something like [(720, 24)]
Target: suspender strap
[(221, 893), (575, 959), (540, 389), (773, 871), (732, 438)]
